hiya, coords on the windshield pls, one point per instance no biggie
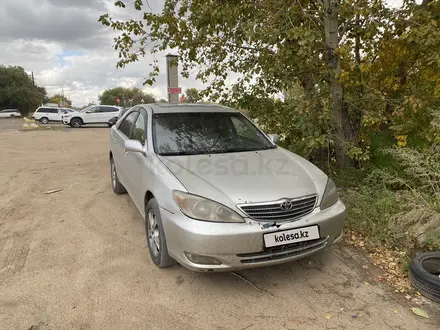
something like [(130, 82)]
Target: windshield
[(205, 133)]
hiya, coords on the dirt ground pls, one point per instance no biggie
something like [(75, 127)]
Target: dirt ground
[(77, 259)]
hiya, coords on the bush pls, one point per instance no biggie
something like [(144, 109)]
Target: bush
[(399, 205)]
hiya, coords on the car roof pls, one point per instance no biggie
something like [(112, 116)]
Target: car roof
[(187, 108)]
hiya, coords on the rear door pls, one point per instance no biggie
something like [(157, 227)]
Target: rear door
[(108, 113), (52, 114), (119, 135)]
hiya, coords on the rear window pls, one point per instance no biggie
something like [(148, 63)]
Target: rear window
[(48, 110), (108, 109)]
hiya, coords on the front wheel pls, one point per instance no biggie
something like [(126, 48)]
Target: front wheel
[(155, 236), (117, 187), (76, 122)]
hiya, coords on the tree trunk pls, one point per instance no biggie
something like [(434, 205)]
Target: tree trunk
[(355, 126), (331, 28)]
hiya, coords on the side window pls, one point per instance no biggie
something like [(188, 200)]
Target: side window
[(127, 124), (243, 131), (53, 111), (93, 110), (139, 132), (112, 109)]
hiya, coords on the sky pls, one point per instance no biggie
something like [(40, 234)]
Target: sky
[(67, 49)]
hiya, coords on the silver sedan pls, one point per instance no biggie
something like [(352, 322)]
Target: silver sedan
[(216, 193)]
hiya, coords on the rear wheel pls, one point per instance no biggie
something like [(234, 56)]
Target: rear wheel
[(44, 120), (76, 122), (155, 235)]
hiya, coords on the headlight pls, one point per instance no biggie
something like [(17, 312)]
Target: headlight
[(330, 195), (200, 208)]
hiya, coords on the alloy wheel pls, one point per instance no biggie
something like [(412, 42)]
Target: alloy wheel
[(153, 233), (113, 170)]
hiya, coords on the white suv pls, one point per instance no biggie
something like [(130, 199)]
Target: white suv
[(47, 114), (10, 113), (95, 114)]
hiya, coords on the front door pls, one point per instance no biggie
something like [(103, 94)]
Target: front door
[(136, 165), (119, 136), (91, 116)]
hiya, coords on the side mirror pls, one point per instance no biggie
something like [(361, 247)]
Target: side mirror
[(87, 111), (274, 138), (134, 146)]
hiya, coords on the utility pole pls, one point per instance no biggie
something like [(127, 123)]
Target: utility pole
[(173, 79), (33, 80)]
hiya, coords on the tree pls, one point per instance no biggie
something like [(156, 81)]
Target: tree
[(192, 95), (18, 91), (127, 96), (352, 59), (163, 101), (61, 100)]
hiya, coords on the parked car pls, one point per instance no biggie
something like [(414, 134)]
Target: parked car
[(8, 113), (49, 114), (96, 114), (216, 193), (113, 120)]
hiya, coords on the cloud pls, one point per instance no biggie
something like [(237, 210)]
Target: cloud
[(68, 50)]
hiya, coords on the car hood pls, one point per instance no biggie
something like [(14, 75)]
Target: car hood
[(247, 177)]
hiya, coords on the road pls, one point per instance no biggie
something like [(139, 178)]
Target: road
[(77, 259)]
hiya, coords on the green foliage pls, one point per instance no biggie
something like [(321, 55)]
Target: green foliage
[(401, 207), (127, 96), (380, 74), (17, 90), (61, 100), (192, 95)]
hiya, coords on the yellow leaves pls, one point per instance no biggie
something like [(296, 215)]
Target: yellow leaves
[(414, 103), (366, 67), (344, 76), (402, 140)]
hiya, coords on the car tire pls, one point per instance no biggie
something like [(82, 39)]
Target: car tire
[(76, 122), (44, 120), (117, 187), (156, 240), (424, 273)]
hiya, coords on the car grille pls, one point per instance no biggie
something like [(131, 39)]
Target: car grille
[(285, 251), (276, 211)]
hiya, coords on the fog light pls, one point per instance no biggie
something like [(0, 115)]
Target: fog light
[(201, 260)]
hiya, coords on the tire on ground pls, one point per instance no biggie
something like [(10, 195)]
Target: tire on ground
[(424, 273), (76, 122), (117, 186), (163, 259)]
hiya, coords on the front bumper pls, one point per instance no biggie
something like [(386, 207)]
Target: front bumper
[(240, 245), (65, 121)]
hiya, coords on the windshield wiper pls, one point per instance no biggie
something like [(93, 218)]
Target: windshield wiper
[(244, 149), (180, 153)]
